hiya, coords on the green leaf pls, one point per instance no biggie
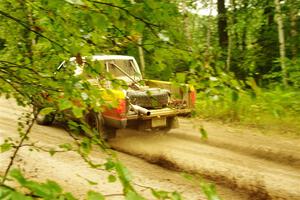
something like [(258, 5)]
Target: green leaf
[(94, 196), (5, 193), (140, 27), (203, 133), (46, 111), (52, 152), (234, 96), (86, 129), (132, 195), (187, 176), (48, 190), (55, 188), (109, 165), (64, 104), (181, 77), (16, 174), (112, 178), (209, 191), (85, 146), (78, 2), (91, 182), (100, 21), (37, 189), (78, 112), (152, 4), (176, 196), (5, 147), (159, 194), (69, 196), (18, 196), (66, 146), (124, 174)]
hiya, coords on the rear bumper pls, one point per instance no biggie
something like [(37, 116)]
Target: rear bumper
[(115, 122), (131, 116), (164, 112)]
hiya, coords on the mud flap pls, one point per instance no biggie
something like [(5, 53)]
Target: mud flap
[(172, 122)]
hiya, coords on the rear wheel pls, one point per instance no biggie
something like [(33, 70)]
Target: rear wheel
[(96, 121), (110, 132), (172, 122)]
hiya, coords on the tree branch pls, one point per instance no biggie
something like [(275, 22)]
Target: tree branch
[(23, 138), (43, 148), (125, 10)]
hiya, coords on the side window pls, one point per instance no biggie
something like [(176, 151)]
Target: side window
[(89, 69), (93, 69), (66, 67)]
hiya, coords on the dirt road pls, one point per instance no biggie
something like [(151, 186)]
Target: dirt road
[(245, 164)]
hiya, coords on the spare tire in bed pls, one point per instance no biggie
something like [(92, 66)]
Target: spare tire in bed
[(150, 98)]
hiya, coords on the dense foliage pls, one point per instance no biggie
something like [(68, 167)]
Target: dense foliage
[(254, 77)]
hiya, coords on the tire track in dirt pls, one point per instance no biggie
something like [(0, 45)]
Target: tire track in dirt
[(70, 171), (233, 158), (234, 162), (250, 141)]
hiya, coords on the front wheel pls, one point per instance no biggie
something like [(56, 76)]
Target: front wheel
[(45, 119)]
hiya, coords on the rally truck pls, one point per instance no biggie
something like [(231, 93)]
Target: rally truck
[(144, 105)]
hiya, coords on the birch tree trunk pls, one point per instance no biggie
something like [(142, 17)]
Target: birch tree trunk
[(208, 37), (141, 55), (279, 21), (231, 22)]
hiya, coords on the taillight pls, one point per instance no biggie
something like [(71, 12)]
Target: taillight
[(121, 109), (192, 97)]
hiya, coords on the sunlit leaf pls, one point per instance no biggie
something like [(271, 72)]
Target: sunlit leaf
[(15, 173), (78, 112), (66, 146), (203, 133), (132, 195), (78, 2), (5, 147), (46, 111), (112, 178), (209, 191), (65, 104), (94, 196)]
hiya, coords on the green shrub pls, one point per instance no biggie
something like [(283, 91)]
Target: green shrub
[(275, 107)]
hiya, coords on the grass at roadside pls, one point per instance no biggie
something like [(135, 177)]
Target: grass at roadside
[(275, 109)]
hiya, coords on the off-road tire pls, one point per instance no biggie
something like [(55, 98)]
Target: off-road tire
[(172, 122), (110, 132), (152, 98), (95, 120), (45, 120)]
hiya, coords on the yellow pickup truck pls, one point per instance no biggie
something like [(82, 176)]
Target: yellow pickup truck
[(145, 104)]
